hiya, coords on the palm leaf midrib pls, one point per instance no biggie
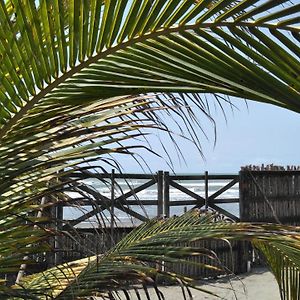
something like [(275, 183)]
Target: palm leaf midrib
[(137, 39)]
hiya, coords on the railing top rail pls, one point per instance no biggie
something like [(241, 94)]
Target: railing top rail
[(116, 176), (154, 175), (202, 177)]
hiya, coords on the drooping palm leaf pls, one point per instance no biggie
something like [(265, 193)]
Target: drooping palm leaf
[(67, 68), (130, 47), (125, 263), (33, 166), (58, 56)]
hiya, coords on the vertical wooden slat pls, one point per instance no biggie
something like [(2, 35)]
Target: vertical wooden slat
[(58, 244), (166, 195), (272, 195), (160, 200), (206, 190)]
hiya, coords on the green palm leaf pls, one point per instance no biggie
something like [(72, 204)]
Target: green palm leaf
[(105, 49), (78, 79), (125, 263)]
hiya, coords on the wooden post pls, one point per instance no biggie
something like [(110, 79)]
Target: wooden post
[(160, 200), (206, 190), (166, 195), (112, 208), (242, 192), (58, 242)]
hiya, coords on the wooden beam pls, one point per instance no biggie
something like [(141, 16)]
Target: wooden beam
[(136, 190), (202, 177), (160, 184), (224, 212), (166, 195), (223, 189), (145, 202), (201, 200), (206, 190), (132, 213)]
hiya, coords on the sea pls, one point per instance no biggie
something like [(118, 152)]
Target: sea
[(150, 211)]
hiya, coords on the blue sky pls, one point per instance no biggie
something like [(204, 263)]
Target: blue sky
[(258, 134)]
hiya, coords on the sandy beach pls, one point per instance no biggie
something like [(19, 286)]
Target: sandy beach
[(259, 284)]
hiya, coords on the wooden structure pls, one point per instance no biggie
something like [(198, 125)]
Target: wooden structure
[(230, 259), (163, 200), (89, 241), (86, 242), (266, 194), (270, 194), (198, 201)]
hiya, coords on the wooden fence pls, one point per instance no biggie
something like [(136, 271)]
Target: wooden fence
[(270, 194), (267, 194), (86, 242), (89, 241), (128, 201)]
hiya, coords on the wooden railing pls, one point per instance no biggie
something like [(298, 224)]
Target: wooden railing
[(128, 201), (265, 194)]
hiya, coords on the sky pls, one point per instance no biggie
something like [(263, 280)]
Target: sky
[(259, 133)]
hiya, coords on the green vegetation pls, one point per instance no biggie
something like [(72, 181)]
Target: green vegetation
[(83, 79)]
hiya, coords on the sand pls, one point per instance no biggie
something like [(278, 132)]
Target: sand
[(259, 284)]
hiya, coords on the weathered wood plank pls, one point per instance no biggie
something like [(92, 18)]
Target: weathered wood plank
[(201, 200), (224, 212), (136, 190), (166, 194), (160, 195), (224, 189)]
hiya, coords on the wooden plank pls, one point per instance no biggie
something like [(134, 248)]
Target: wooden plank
[(206, 190), (58, 245), (166, 195), (148, 202), (201, 200), (136, 190), (112, 207), (160, 200), (183, 202), (136, 176), (87, 175), (223, 189), (202, 177), (224, 212), (195, 202), (145, 202), (225, 200)]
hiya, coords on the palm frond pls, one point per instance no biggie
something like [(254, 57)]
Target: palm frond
[(159, 241), (81, 51), (80, 78)]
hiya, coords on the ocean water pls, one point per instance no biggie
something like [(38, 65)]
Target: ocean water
[(150, 211)]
